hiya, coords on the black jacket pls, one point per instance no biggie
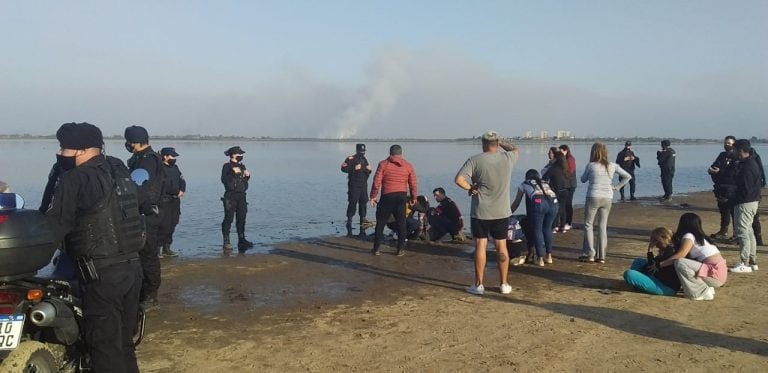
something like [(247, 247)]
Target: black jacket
[(356, 178), (748, 181), (666, 160), (628, 166), (174, 181), (234, 182)]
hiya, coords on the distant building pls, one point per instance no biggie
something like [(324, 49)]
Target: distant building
[(544, 135), (563, 134), (529, 135)]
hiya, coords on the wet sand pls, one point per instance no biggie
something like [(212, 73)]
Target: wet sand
[(326, 304)]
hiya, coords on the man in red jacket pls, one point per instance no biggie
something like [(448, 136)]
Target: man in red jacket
[(394, 177)]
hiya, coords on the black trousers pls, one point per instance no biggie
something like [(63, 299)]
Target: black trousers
[(666, 183), (439, 226), (391, 204), (631, 186), (111, 308), (150, 263), (357, 196), (561, 215), (234, 206), (569, 206), (168, 220), (726, 214), (757, 228)]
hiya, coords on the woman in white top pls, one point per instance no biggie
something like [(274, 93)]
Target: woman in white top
[(698, 262), (599, 173)]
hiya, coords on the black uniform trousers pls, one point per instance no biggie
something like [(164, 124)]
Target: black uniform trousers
[(111, 308), (391, 204), (150, 263), (726, 214), (569, 206), (666, 182), (171, 209), (234, 206), (357, 196), (632, 185)]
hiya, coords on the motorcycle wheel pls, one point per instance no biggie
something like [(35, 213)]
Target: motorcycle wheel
[(30, 357)]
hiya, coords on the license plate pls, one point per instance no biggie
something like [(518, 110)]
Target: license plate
[(10, 331)]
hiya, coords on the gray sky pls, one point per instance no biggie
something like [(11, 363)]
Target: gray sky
[(388, 69)]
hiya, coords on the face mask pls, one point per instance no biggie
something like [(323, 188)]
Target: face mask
[(239, 158), (66, 163), (728, 148), (128, 147), (171, 162)]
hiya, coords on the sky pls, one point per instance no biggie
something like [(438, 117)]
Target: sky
[(387, 69)]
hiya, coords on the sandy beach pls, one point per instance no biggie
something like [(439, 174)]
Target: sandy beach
[(326, 304)]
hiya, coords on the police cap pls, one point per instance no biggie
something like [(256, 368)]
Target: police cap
[(169, 151), (360, 148), (79, 136), (234, 150), (136, 135)]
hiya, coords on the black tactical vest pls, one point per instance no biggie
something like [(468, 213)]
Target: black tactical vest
[(114, 226), (152, 189)]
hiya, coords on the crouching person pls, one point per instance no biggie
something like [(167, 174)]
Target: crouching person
[(698, 262), (643, 274)]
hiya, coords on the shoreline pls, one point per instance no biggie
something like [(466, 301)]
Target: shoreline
[(326, 304)]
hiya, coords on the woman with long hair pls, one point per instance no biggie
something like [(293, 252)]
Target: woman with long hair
[(541, 207), (698, 262), (572, 183), (558, 176), (599, 173)]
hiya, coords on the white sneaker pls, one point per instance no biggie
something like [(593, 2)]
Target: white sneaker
[(754, 267), (709, 294), (505, 288), (566, 228), (476, 289), (520, 260), (741, 268)]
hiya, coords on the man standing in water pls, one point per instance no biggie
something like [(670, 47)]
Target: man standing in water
[(666, 160), (357, 169), (486, 176)]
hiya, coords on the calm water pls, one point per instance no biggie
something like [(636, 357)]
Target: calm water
[(297, 190)]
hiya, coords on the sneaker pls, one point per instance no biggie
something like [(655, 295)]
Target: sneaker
[(585, 258), (555, 230), (149, 304), (505, 289), (540, 262), (740, 268), (566, 228), (709, 294), (376, 251), (400, 252), (520, 260), (548, 259), (166, 251), (754, 267), (476, 289), (601, 261)]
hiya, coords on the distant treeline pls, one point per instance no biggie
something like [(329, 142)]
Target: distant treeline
[(520, 139)]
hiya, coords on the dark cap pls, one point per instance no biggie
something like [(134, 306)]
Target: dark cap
[(360, 148), (169, 151), (628, 143), (79, 136), (136, 135), (665, 143), (234, 150)]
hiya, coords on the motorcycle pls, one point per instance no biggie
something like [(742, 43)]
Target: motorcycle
[(41, 321)]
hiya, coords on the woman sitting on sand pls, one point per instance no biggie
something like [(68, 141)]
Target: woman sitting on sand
[(540, 207), (698, 262), (643, 275)]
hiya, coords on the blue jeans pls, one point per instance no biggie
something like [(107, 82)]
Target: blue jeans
[(541, 217), (635, 277)]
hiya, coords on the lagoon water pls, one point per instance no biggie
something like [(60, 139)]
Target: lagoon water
[(297, 190)]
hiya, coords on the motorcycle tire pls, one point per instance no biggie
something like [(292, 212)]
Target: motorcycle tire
[(30, 357)]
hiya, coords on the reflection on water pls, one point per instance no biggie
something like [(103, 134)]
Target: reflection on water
[(298, 191)]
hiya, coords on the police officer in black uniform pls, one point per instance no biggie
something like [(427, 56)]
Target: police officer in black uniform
[(627, 160), (235, 178), (137, 142), (723, 172), (94, 209), (358, 170), (666, 160), (170, 202)]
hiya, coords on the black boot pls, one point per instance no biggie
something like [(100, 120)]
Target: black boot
[(349, 228), (227, 247), (242, 243)]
